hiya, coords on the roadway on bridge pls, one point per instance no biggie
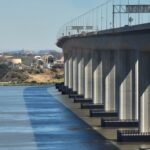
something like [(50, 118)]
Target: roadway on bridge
[(32, 119)]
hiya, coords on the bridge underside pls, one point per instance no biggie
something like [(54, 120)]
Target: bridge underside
[(111, 68)]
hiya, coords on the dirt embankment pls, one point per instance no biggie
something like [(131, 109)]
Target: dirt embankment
[(8, 75), (47, 76), (15, 76)]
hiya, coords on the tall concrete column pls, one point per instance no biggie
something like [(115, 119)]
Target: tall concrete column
[(109, 80), (144, 86), (97, 78), (66, 68), (80, 72), (75, 71), (137, 87), (88, 75), (127, 82), (70, 70)]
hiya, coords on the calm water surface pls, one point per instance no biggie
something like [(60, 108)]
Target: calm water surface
[(32, 119)]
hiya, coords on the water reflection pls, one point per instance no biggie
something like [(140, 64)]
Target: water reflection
[(32, 119), (16, 132)]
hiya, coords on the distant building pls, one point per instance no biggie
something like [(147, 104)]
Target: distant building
[(60, 61), (49, 59), (37, 57), (16, 63)]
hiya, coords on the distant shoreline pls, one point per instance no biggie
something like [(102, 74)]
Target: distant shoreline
[(27, 84)]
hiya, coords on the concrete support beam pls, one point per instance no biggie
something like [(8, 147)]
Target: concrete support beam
[(80, 72), (75, 71), (109, 80), (97, 78), (70, 70), (88, 74), (144, 84), (66, 69), (143, 134), (126, 92), (137, 86), (127, 70)]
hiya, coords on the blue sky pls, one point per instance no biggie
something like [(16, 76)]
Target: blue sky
[(33, 24)]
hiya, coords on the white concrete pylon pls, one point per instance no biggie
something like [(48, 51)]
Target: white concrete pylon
[(144, 94), (88, 75), (80, 72), (109, 80), (70, 70), (97, 78), (75, 71), (66, 68), (126, 76)]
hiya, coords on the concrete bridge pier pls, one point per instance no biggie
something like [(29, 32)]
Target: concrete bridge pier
[(109, 86), (109, 73), (73, 93), (88, 78), (96, 84), (70, 71), (127, 71), (144, 81), (66, 73), (97, 78), (88, 75), (75, 72), (80, 75), (143, 134), (128, 87), (66, 69)]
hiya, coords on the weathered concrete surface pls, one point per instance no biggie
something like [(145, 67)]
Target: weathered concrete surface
[(123, 83), (80, 72), (109, 80), (127, 82), (97, 78), (127, 38), (88, 76), (66, 69), (70, 68), (75, 70), (144, 79)]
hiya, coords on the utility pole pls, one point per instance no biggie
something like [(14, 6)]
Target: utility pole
[(113, 18), (128, 13)]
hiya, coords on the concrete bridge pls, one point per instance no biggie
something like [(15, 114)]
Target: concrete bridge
[(110, 71)]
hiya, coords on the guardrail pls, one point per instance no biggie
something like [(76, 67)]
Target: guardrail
[(111, 14)]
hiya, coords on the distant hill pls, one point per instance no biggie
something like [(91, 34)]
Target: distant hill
[(55, 53), (18, 53)]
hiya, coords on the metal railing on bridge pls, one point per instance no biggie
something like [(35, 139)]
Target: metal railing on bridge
[(109, 15)]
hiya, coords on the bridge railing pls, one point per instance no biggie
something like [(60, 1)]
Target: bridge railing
[(111, 14)]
